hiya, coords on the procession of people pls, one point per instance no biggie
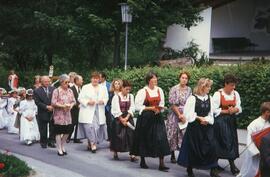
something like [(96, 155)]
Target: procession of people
[(201, 127)]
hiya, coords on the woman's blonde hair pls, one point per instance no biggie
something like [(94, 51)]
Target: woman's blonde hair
[(201, 84), (112, 89)]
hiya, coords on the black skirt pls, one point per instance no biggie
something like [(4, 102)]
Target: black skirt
[(150, 138), (121, 136), (63, 129), (226, 137), (197, 149)]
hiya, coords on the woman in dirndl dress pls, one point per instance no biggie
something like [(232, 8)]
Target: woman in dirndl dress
[(227, 105), (150, 133), (122, 110), (178, 96), (197, 149)]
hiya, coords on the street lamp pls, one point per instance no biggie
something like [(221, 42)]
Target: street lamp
[(126, 18)]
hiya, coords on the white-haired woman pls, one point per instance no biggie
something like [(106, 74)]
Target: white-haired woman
[(197, 149), (62, 101)]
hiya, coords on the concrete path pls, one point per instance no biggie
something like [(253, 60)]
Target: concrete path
[(80, 162)]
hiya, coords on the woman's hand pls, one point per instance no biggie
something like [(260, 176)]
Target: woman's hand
[(182, 118), (29, 118), (100, 102), (91, 103), (202, 120)]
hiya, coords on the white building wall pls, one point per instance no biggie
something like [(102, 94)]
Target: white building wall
[(237, 19), (178, 36)]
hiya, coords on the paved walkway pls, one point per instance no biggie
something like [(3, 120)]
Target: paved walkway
[(80, 162)]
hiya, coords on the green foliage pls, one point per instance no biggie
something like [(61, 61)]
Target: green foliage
[(85, 33), (14, 167), (254, 86)]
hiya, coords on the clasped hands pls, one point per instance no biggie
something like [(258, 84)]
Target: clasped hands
[(202, 120), (92, 102), (124, 120)]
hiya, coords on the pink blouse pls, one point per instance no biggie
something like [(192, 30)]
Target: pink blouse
[(60, 96)]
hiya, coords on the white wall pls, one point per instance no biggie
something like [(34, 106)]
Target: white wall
[(237, 19), (178, 36)]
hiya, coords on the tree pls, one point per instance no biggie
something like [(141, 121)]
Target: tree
[(80, 33)]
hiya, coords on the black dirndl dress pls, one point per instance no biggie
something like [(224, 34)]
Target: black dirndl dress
[(197, 149), (150, 138), (122, 136), (226, 137)]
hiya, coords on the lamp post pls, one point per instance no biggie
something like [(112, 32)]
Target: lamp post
[(126, 18)]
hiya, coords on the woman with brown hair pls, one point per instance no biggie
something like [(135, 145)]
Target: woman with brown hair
[(178, 96), (123, 108), (198, 149), (150, 133), (227, 105)]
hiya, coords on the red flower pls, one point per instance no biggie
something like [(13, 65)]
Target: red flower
[(2, 165)]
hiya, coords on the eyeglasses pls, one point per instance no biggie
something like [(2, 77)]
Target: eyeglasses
[(66, 82)]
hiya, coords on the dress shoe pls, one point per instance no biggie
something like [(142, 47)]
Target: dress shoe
[(173, 160), (65, 152), (60, 154), (43, 146), (115, 157), (77, 141), (163, 168), (51, 145), (234, 169), (144, 166), (214, 173), (190, 172), (219, 168)]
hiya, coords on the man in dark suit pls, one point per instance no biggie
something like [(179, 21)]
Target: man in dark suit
[(76, 88), (104, 82), (265, 156), (43, 97)]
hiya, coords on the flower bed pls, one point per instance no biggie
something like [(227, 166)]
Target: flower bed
[(11, 166)]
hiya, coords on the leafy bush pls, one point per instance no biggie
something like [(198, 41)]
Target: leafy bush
[(254, 87), (13, 167)]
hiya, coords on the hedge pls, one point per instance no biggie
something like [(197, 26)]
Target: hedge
[(253, 87)]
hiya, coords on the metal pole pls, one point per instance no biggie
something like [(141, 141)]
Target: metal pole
[(126, 46)]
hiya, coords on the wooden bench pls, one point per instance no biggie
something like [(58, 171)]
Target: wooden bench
[(232, 44)]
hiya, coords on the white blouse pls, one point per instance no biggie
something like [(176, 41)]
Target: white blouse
[(116, 111), (140, 97), (217, 97), (189, 109)]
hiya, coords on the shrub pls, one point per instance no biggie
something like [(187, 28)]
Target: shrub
[(254, 86), (13, 167)]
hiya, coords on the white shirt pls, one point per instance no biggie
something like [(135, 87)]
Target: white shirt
[(116, 111), (141, 95), (189, 109), (217, 97), (251, 155)]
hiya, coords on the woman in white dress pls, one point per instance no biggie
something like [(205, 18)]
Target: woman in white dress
[(93, 99), (28, 123)]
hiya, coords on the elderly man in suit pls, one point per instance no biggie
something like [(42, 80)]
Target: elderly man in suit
[(43, 97), (76, 89)]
